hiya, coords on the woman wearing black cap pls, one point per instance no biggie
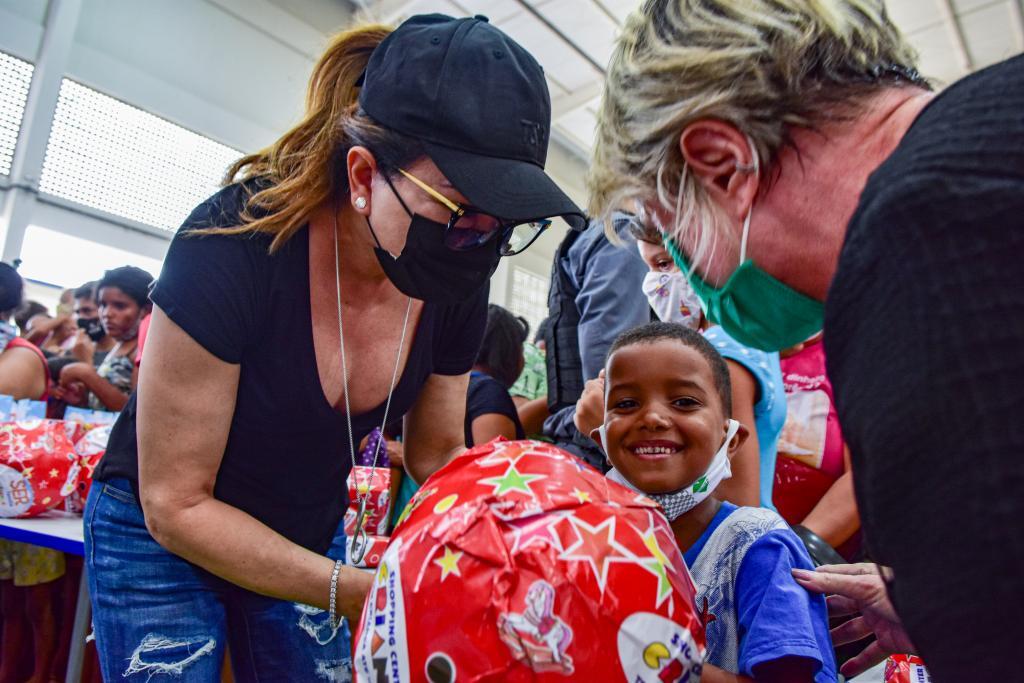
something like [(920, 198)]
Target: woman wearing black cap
[(340, 282)]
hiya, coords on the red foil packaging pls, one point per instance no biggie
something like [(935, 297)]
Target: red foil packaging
[(377, 489), (906, 669), (39, 466), (516, 562)]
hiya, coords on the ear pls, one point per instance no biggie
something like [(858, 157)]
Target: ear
[(721, 159), (738, 440), (361, 167)]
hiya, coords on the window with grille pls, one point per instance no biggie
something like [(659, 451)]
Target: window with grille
[(529, 297), (111, 156), (15, 77)]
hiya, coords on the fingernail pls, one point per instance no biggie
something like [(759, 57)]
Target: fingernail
[(802, 574)]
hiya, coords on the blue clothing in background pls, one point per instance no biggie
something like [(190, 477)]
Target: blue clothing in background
[(775, 616), (770, 409), (609, 282)]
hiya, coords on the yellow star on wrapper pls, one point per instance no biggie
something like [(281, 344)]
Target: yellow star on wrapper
[(449, 563), (656, 564), (54, 473), (512, 480), (581, 496)]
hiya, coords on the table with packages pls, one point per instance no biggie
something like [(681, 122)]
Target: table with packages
[(64, 532)]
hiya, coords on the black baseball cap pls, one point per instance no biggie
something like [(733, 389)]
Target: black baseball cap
[(479, 103)]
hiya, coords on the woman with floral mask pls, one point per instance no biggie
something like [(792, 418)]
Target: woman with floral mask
[(337, 282), (123, 298)]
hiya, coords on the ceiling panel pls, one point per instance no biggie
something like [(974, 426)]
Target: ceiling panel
[(914, 15), (938, 56), (561, 62), (619, 8), (991, 34), (583, 23)]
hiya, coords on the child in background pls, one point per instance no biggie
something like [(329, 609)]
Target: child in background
[(490, 411), (813, 480), (758, 397), (668, 433)]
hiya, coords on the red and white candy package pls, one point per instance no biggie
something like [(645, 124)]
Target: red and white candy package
[(515, 562), (39, 466), (90, 447), (375, 484), (906, 669)]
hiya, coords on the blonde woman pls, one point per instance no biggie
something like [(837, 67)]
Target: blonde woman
[(339, 283), (790, 150)]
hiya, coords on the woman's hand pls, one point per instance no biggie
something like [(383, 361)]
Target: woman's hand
[(82, 373), (73, 394), (84, 348), (590, 408), (859, 589), (353, 585)]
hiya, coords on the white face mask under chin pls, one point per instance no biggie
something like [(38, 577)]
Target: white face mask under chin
[(672, 298), (676, 503)]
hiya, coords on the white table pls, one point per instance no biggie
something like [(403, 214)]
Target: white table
[(64, 532)]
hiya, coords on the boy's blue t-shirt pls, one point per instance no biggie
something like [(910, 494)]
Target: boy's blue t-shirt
[(770, 409), (776, 616)]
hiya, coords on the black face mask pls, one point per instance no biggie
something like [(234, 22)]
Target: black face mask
[(428, 270), (93, 327)]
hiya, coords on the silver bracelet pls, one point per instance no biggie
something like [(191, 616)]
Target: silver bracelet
[(334, 594)]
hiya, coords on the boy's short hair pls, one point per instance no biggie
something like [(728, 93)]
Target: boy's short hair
[(658, 331)]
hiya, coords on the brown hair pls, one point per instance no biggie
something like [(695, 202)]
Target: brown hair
[(305, 166)]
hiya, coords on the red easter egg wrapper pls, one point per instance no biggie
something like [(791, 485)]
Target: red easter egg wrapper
[(905, 669), (39, 466), (516, 562)]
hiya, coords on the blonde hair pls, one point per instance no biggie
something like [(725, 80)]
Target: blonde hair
[(760, 65), (306, 165)]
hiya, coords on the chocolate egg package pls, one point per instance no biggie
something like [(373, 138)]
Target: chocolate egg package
[(39, 466), (516, 562)]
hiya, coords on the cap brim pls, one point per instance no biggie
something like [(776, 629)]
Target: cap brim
[(507, 188)]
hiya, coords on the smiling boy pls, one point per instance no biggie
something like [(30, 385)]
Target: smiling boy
[(668, 434)]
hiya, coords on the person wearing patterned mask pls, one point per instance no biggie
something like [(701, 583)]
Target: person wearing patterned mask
[(758, 395), (668, 432)]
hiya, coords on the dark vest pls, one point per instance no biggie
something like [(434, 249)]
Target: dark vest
[(564, 365)]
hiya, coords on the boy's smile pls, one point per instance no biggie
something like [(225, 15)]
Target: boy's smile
[(664, 417)]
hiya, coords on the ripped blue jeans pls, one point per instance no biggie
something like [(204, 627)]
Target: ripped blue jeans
[(159, 617)]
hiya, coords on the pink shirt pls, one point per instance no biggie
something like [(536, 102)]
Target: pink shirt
[(811, 434)]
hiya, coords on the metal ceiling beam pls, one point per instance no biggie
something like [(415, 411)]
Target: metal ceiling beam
[(560, 106), (558, 32), (956, 33), (599, 4)]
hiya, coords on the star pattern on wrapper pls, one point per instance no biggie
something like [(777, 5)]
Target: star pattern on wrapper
[(535, 531), (656, 562), (449, 563), (597, 547), (581, 496), (512, 480), (54, 473)]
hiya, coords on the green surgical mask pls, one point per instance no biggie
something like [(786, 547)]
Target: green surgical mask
[(754, 308)]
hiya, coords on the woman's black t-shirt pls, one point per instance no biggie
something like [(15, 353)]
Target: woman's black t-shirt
[(286, 458), (487, 396)]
